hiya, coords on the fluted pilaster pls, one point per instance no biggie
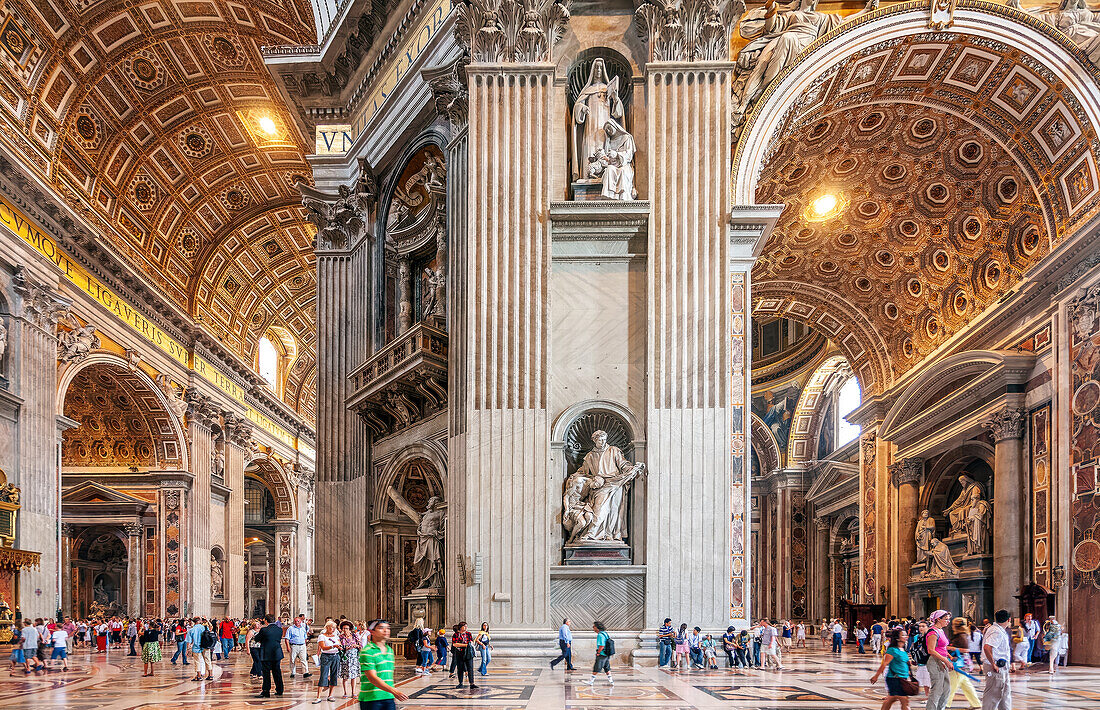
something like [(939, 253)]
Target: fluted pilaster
[(690, 414), (234, 534), (512, 172), (344, 317)]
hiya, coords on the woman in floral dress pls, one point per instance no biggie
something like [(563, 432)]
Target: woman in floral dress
[(350, 646)]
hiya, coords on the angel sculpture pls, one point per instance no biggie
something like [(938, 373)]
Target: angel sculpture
[(430, 528), (76, 344)]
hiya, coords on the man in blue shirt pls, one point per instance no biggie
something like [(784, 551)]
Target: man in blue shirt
[(194, 641), (296, 635), (666, 640), (565, 642)]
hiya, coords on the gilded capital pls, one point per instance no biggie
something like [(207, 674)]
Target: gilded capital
[(1007, 424), (906, 471)]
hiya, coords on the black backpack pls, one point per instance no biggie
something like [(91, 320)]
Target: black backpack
[(609, 647), (207, 639), (920, 650)]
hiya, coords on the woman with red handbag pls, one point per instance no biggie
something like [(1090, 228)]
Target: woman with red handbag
[(899, 683)]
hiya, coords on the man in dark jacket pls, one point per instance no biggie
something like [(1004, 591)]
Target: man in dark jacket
[(270, 638)]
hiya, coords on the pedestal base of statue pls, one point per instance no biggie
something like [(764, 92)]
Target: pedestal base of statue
[(968, 593), (592, 552), (426, 604), (587, 190)]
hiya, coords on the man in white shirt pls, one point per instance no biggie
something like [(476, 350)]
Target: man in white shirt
[(838, 636), (996, 660), (60, 638)]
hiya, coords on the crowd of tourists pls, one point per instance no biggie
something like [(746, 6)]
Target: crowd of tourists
[(936, 657)]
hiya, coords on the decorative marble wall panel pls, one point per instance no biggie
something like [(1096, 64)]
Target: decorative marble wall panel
[(617, 601), (1084, 365), (1039, 431), (869, 516)]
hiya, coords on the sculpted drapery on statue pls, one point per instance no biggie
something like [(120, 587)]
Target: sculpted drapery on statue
[(776, 40), (430, 529), (594, 503), (926, 530), (959, 511), (1075, 20), (597, 103)]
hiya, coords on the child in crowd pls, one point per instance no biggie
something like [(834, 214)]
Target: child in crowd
[(709, 655)]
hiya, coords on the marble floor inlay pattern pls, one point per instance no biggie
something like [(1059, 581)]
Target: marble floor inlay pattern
[(812, 680)]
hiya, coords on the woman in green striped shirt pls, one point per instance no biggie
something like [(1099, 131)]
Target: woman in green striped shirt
[(377, 661)]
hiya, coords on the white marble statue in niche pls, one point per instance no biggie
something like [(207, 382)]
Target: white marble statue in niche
[(596, 104), (594, 502), (614, 163), (959, 511), (430, 529)]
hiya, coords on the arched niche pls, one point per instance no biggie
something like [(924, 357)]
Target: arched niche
[(411, 478), (974, 459), (124, 419), (411, 256)]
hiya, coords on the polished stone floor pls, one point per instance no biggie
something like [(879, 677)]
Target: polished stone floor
[(814, 680)]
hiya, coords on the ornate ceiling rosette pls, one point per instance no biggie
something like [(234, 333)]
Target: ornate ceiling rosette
[(158, 123)]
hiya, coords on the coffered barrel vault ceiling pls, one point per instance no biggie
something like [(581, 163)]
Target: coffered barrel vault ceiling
[(158, 122), (958, 165)]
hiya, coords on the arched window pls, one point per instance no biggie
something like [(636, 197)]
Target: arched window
[(848, 399), (268, 362)]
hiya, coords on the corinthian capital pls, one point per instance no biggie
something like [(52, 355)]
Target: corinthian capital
[(41, 305), (906, 471), (1007, 424), (341, 218), (511, 31), (688, 30), (450, 91)]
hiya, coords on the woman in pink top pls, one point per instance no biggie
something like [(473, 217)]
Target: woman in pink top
[(939, 665)]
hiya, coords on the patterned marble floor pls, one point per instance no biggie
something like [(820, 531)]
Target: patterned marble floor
[(814, 680)]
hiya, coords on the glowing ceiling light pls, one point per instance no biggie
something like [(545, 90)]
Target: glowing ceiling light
[(267, 125), (825, 206)]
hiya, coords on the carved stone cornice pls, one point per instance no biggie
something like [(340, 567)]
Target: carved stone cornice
[(907, 470), (687, 30), (341, 218), (450, 92), (1007, 424), (510, 31)]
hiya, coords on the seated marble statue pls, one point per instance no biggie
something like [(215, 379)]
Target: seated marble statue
[(594, 497), (614, 163)]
